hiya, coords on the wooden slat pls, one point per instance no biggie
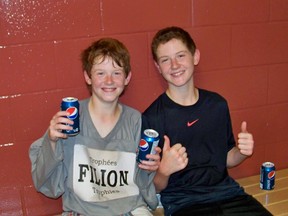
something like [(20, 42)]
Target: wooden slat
[(276, 200), (256, 178), (271, 198), (280, 208), (280, 184), (158, 212), (251, 180)]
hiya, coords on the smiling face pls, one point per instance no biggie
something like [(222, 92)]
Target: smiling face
[(176, 63), (107, 79)]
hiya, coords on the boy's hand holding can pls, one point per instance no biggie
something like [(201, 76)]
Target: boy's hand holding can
[(59, 123)]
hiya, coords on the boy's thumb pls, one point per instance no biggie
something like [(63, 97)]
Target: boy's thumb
[(166, 145), (244, 127)]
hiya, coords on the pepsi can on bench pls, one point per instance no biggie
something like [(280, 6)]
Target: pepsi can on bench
[(149, 140), (267, 176), (71, 105)]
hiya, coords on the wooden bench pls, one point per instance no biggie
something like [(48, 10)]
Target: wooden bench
[(276, 200)]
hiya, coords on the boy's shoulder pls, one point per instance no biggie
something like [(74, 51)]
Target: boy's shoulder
[(129, 109), (84, 102), (156, 105), (211, 94)]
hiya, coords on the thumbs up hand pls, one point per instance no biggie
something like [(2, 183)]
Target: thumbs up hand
[(173, 158), (245, 141)]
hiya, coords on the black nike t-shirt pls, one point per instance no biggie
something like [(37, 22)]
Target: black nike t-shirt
[(205, 130)]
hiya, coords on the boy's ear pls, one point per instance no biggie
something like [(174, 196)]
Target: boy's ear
[(128, 78), (87, 78), (196, 57), (157, 66)]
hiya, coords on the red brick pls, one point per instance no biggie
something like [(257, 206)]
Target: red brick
[(264, 121), (6, 73), (143, 15), (52, 101), (277, 119), (219, 12), (28, 116), (15, 169), (68, 63), (237, 85), (10, 201), (5, 126), (28, 68), (37, 204), (143, 92), (257, 123), (276, 156), (259, 44), (278, 88), (214, 45), (139, 50), (26, 21), (279, 10)]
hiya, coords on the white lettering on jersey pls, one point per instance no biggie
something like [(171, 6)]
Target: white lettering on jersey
[(100, 175)]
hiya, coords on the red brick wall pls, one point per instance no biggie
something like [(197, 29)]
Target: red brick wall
[(244, 56)]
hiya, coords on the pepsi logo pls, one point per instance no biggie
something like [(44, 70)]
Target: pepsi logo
[(143, 145), (271, 174), (73, 112)]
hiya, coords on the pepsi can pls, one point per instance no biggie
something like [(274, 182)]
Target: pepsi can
[(71, 105), (149, 140), (267, 176)]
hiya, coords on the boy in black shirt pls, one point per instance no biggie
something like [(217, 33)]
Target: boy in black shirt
[(192, 176)]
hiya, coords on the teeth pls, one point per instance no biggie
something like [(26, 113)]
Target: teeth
[(109, 89), (177, 74)]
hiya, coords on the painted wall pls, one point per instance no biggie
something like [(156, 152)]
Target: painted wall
[(244, 57)]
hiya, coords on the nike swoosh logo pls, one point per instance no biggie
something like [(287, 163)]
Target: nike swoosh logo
[(189, 124)]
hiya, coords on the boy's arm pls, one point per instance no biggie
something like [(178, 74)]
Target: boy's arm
[(244, 148), (47, 167), (46, 155)]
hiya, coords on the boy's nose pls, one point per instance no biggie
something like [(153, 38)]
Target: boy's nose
[(174, 63), (109, 79)]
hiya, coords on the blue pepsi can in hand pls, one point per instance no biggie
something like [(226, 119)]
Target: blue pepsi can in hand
[(149, 140), (71, 105), (267, 176)]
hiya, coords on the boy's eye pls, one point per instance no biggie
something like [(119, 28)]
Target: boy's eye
[(117, 72), (180, 55), (99, 73), (164, 60)]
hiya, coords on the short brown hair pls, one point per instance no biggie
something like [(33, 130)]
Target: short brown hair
[(169, 33), (106, 47)]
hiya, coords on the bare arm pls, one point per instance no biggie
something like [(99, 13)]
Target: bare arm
[(244, 147)]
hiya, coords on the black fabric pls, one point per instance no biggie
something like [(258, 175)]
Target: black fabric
[(244, 205), (205, 130)]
